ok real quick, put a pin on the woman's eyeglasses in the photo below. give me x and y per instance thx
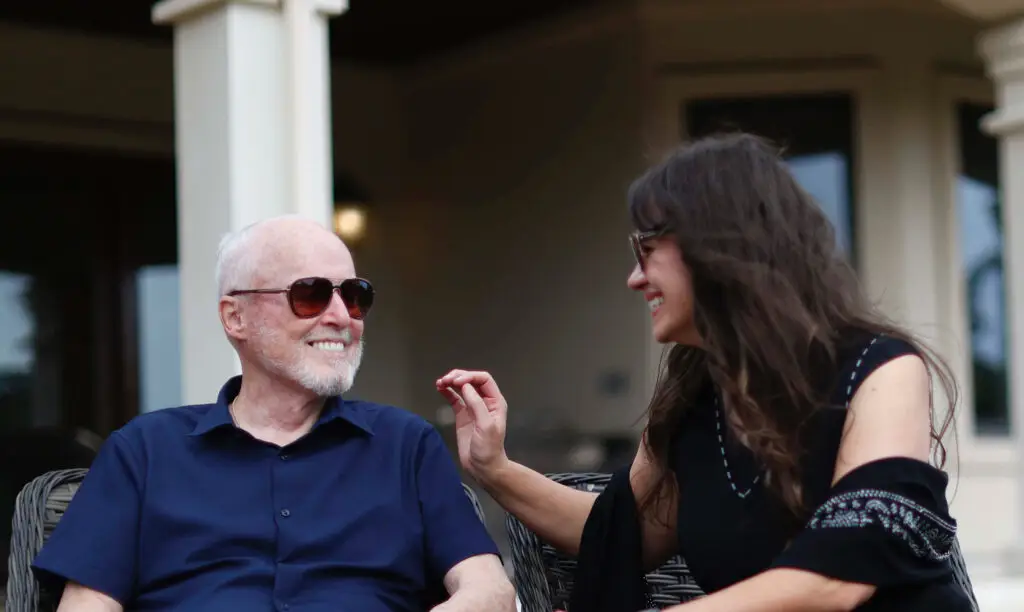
(637, 242)
(310, 297)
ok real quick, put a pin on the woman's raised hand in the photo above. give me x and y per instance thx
(480, 418)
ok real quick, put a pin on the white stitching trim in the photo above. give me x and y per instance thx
(856, 370)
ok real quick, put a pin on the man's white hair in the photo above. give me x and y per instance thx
(236, 259)
(239, 256)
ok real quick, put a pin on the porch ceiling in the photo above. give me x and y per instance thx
(371, 31)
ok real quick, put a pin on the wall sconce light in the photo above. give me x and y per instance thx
(350, 221)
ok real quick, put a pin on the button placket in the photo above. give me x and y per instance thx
(283, 455)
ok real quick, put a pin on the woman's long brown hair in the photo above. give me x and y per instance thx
(773, 297)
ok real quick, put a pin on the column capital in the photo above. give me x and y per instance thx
(177, 11)
(1002, 48)
(1003, 123)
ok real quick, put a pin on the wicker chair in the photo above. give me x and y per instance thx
(544, 576)
(39, 507)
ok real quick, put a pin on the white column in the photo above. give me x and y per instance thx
(1003, 50)
(252, 123)
(918, 263)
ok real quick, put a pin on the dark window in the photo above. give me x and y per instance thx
(74, 226)
(980, 219)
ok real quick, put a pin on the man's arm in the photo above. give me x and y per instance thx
(77, 598)
(478, 583)
(458, 548)
(91, 555)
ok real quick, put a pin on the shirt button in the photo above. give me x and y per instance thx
(284, 457)
(286, 513)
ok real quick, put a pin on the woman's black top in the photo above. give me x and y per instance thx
(885, 523)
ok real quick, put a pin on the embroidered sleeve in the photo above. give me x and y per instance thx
(886, 523)
(926, 534)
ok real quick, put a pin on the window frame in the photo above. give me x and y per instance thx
(954, 89)
(862, 82)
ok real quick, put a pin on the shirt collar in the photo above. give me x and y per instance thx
(335, 408)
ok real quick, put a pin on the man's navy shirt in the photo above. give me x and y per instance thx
(181, 510)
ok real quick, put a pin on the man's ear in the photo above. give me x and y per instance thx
(231, 318)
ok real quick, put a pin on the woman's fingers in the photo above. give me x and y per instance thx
(476, 404)
(482, 381)
(450, 396)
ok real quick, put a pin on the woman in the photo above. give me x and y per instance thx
(786, 453)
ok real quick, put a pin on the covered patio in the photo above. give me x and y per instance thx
(490, 147)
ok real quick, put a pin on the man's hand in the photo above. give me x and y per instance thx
(476, 584)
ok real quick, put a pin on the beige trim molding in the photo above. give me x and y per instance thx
(659, 10)
(986, 10)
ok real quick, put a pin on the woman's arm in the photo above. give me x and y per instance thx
(783, 590)
(889, 416)
(555, 512)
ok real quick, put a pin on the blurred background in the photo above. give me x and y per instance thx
(475, 156)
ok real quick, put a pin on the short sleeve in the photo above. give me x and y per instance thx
(872, 355)
(452, 529)
(95, 542)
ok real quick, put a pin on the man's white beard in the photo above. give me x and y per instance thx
(337, 382)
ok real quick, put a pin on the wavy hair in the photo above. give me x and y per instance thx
(774, 301)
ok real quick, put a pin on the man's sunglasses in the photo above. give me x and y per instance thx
(310, 297)
(636, 242)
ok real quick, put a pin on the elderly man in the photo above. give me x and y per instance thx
(281, 495)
